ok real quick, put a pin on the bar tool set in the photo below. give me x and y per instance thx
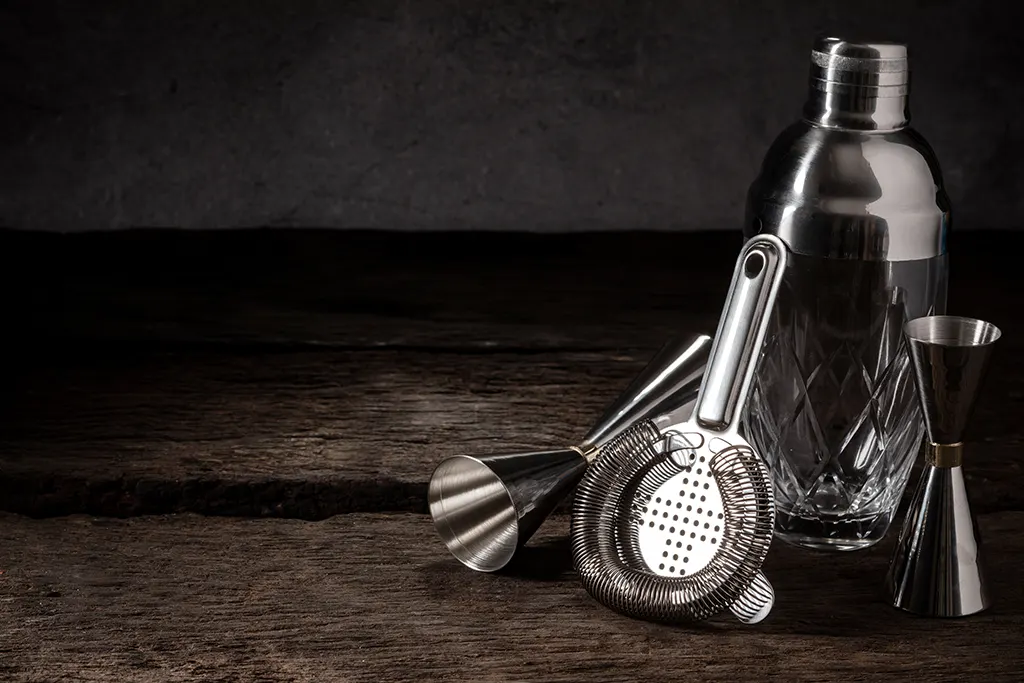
(801, 419)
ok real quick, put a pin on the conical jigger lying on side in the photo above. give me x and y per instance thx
(937, 568)
(486, 507)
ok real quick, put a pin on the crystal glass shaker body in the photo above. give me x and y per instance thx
(857, 196)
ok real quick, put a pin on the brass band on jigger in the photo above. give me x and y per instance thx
(588, 451)
(944, 455)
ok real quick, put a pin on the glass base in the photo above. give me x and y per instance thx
(831, 534)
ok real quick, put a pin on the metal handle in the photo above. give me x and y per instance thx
(741, 330)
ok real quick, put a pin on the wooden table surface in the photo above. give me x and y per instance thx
(214, 450)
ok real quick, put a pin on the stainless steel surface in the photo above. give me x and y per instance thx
(756, 602)
(486, 507)
(937, 567)
(858, 86)
(839, 185)
(851, 195)
(482, 506)
(674, 519)
(741, 331)
(668, 382)
(857, 196)
(677, 571)
(950, 356)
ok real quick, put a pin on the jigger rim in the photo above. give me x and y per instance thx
(952, 331)
(454, 540)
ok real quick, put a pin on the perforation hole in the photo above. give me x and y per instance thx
(679, 517)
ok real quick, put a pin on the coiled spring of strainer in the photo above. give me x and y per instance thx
(608, 506)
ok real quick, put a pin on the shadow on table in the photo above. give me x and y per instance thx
(549, 560)
(844, 594)
(817, 593)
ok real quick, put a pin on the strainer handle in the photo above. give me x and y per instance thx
(741, 330)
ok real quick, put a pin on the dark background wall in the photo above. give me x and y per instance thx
(437, 114)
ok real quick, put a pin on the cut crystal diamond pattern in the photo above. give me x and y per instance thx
(833, 408)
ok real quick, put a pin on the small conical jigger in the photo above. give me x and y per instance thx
(485, 507)
(937, 568)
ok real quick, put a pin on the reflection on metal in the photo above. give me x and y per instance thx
(937, 568)
(487, 507)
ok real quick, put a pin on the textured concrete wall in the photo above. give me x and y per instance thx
(441, 114)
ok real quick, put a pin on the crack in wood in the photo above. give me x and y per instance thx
(326, 373)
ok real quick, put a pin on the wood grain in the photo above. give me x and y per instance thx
(306, 373)
(295, 434)
(375, 597)
(362, 290)
(312, 434)
(461, 291)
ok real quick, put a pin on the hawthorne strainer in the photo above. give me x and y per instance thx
(673, 521)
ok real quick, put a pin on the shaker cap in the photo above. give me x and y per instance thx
(881, 65)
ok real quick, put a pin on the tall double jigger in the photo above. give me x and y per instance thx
(937, 568)
(486, 507)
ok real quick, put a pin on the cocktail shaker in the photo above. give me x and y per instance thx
(857, 196)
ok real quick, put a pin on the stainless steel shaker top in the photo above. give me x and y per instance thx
(852, 180)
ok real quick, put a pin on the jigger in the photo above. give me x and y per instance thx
(937, 568)
(486, 507)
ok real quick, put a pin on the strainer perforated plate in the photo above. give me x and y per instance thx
(639, 539)
(680, 524)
